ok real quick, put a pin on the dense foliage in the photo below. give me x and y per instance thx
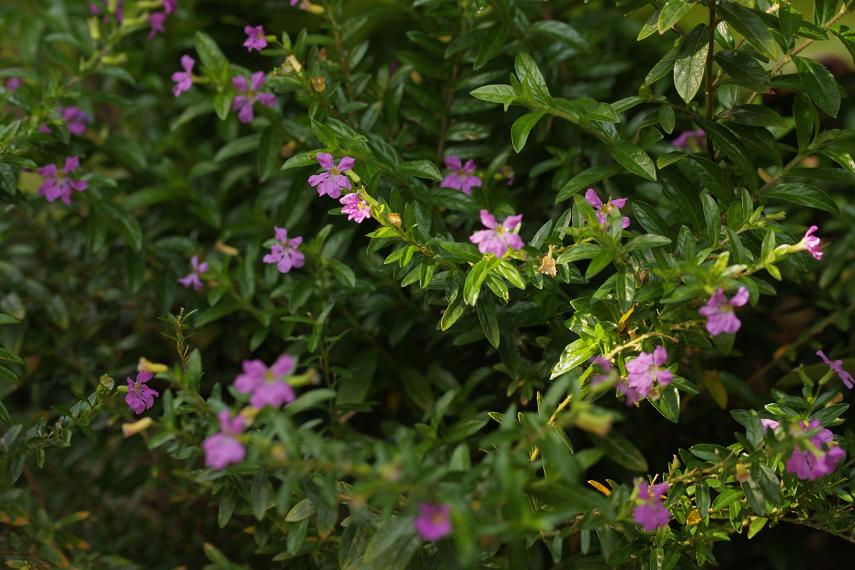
(424, 284)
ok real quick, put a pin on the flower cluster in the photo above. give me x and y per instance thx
(719, 311)
(814, 456)
(646, 373)
(284, 253)
(650, 513)
(498, 238)
(57, 184)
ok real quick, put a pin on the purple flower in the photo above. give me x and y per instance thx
(355, 207)
(769, 424)
(498, 238)
(140, 397)
(603, 209)
(332, 181)
(719, 311)
(294, 2)
(255, 38)
(268, 386)
(837, 367)
(155, 22)
(249, 95)
(194, 278)
(643, 372)
(433, 522)
(604, 365)
(284, 252)
(12, 84)
(461, 178)
(183, 79)
(223, 448)
(169, 6)
(687, 139)
(76, 119)
(57, 184)
(650, 512)
(819, 457)
(811, 243)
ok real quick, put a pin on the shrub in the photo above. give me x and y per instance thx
(433, 284)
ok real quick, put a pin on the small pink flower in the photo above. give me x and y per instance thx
(255, 38)
(433, 521)
(811, 243)
(719, 311)
(223, 448)
(817, 460)
(688, 139)
(605, 367)
(249, 94)
(75, 119)
(169, 6)
(268, 386)
(183, 79)
(643, 372)
(194, 278)
(498, 238)
(650, 512)
(331, 182)
(284, 252)
(155, 22)
(12, 84)
(58, 184)
(355, 207)
(603, 209)
(461, 178)
(837, 367)
(140, 397)
(769, 424)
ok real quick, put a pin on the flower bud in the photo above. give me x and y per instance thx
(547, 264)
(394, 219)
(136, 427)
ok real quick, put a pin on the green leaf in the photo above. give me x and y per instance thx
(8, 320)
(807, 120)
(744, 70)
(128, 227)
(750, 25)
(475, 278)
(310, 399)
(302, 510)
(667, 118)
(300, 160)
(451, 315)
(585, 179)
(819, 84)
(689, 65)
(669, 404)
(727, 143)
(420, 169)
(712, 217)
(671, 13)
(212, 56)
(646, 241)
(634, 159)
(258, 495)
(504, 94)
(804, 195)
(522, 127)
(558, 30)
(486, 310)
(622, 451)
(574, 354)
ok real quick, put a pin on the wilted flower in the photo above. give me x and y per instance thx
(332, 181)
(249, 94)
(818, 458)
(498, 238)
(284, 252)
(194, 278)
(140, 397)
(355, 207)
(461, 178)
(57, 184)
(837, 367)
(650, 512)
(255, 38)
(12, 84)
(643, 372)
(719, 311)
(547, 264)
(155, 22)
(603, 209)
(811, 243)
(268, 386)
(183, 79)
(687, 139)
(76, 119)
(223, 448)
(433, 521)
